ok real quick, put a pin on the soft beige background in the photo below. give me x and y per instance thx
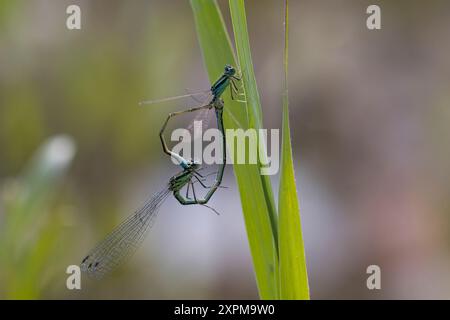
(370, 129)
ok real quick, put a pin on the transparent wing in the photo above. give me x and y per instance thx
(124, 240)
(203, 115)
(192, 95)
(200, 98)
(206, 115)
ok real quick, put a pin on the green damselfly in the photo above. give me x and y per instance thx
(227, 79)
(124, 240)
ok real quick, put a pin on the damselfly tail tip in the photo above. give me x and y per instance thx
(83, 265)
(91, 268)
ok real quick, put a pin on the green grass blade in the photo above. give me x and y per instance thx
(293, 274)
(217, 51)
(239, 20)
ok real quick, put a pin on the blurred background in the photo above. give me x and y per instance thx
(370, 129)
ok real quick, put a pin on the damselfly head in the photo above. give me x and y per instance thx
(193, 164)
(229, 70)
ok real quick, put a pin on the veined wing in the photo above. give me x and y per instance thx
(192, 95)
(204, 117)
(124, 240)
(204, 114)
(200, 98)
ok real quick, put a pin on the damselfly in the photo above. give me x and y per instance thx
(228, 78)
(213, 95)
(125, 239)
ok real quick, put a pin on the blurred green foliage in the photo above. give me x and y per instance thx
(33, 223)
(86, 84)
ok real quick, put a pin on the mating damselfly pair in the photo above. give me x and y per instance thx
(122, 242)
